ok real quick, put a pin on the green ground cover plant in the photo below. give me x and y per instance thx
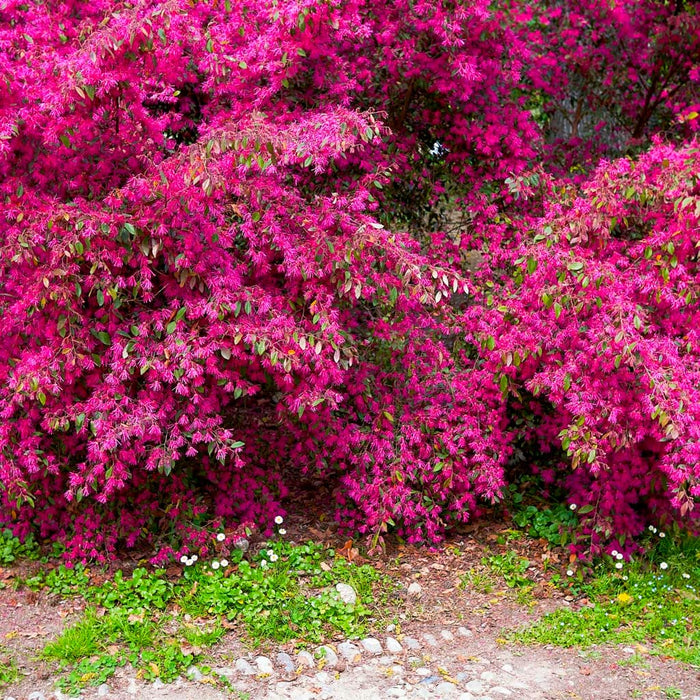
(652, 601)
(284, 592)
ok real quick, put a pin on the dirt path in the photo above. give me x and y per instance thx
(442, 639)
(450, 658)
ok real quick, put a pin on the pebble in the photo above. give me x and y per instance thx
(349, 651)
(464, 632)
(488, 676)
(304, 658)
(396, 692)
(430, 639)
(501, 690)
(194, 674)
(415, 589)
(347, 593)
(445, 688)
(372, 646)
(475, 687)
(411, 643)
(103, 690)
(326, 653)
(423, 671)
(264, 665)
(508, 668)
(447, 635)
(244, 667)
(430, 680)
(36, 695)
(466, 696)
(285, 661)
(323, 677)
(393, 646)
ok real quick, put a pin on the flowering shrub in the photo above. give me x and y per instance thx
(206, 287)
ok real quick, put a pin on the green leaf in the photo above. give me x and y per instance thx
(170, 328)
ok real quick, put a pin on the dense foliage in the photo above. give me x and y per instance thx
(243, 241)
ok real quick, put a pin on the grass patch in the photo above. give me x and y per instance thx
(9, 673)
(654, 601)
(284, 593)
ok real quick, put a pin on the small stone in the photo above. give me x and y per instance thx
(244, 667)
(466, 696)
(444, 689)
(304, 658)
(285, 661)
(396, 692)
(500, 690)
(430, 680)
(347, 593)
(411, 643)
(156, 685)
(464, 632)
(476, 687)
(131, 687)
(241, 543)
(423, 671)
(393, 646)
(103, 690)
(447, 635)
(488, 676)
(391, 628)
(508, 668)
(372, 646)
(349, 651)
(430, 639)
(264, 665)
(415, 589)
(194, 674)
(328, 655)
(323, 678)
(36, 695)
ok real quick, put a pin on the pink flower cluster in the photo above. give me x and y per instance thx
(238, 244)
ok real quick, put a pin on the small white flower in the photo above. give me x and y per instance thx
(662, 534)
(279, 520)
(619, 556)
(220, 537)
(270, 552)
(183, 559)
(624, 578)
(653, 529)
(573, 506)
(194, 558)
(273, 557)
(224, 563)
(263, 564)
(613, 553)
(618, 565)
(189, 562)
(569, 572)
(282, 531)
(215, 565)
(663, 565)
(685, 575)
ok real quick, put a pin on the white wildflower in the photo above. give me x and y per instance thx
(215, 565)
(220, 537)
(279, 520)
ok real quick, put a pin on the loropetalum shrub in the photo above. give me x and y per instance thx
(600, 323)
(196, 289)
(205, 289)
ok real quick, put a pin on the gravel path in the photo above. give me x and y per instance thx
(447, 663)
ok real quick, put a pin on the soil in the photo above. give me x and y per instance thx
(29, 620)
